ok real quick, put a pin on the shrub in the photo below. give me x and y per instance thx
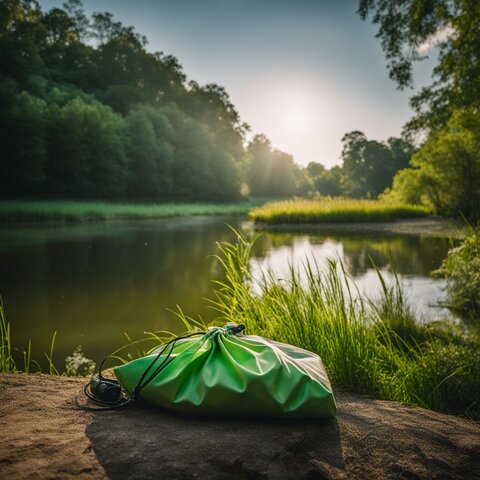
(461, 268)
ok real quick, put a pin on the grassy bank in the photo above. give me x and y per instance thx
(83, 211)
(375, 347)
(333, 210)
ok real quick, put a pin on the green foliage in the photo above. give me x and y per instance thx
(7, 363)
(371, 346)
(86, 151)
(150, 152)
(446, 169)
(462, 271)
(334, 210)
(22, 134)
(368, 168)
(88, 112)
(271, 172)
(407, 29)
(316, 179)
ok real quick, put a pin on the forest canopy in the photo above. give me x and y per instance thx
(87, 111)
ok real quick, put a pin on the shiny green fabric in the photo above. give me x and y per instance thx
(223, 374)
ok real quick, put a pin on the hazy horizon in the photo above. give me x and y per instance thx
(303, 74)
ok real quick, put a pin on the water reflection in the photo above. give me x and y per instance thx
(91, 283)
(95, 281)
(412, 258)
(406, 254)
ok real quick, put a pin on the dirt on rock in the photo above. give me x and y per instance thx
(45, 435)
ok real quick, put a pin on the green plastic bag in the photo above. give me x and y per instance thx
(223, 373)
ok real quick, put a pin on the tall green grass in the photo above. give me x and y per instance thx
(334, 210)
(7, 363)
(81, 211)
(369, 346)
(7, 360)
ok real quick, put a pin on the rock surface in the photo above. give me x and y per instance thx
(45, 435)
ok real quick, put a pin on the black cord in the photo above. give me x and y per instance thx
(106, 405)
(171, 343)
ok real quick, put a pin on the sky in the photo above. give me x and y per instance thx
(302, 72)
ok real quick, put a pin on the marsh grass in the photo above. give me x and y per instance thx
(7, 363)
(371, 346)
(335, 210)
(7, 360)
(84, 211)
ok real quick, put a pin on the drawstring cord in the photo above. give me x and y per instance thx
(123, 402)
(162, 365)
(143, 382)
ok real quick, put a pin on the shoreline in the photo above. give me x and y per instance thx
(428, 226)
(48, 435)
(74, 212)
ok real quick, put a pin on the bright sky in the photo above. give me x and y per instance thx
(302, 72)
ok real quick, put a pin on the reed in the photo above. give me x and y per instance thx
(335, 210)
(370, 346)
(7, 363)
(7, 360)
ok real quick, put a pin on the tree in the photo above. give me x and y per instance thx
(150, 153)
(446, 169)
(271, 171)
(407, 31)
(107, 118)
(86, 151)
(315, 178)
(24, 155)
(369, 166)
(21, 37)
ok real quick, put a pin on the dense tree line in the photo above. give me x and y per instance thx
(87, 111)
(368, 168)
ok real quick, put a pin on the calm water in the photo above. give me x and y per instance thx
(95, 281)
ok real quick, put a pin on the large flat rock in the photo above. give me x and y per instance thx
(45, 435)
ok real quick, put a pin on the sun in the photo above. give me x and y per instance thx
(296, 120)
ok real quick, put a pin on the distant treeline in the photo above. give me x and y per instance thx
(88, 112)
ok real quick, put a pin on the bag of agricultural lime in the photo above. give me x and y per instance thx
(222, 372)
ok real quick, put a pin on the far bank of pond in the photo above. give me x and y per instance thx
(71, 211)
(93, 281)
(333, 209)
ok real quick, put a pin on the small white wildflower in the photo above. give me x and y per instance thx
(77, 365)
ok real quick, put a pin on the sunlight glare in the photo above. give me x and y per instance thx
(296, 120)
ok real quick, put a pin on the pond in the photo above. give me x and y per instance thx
(92, 282)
